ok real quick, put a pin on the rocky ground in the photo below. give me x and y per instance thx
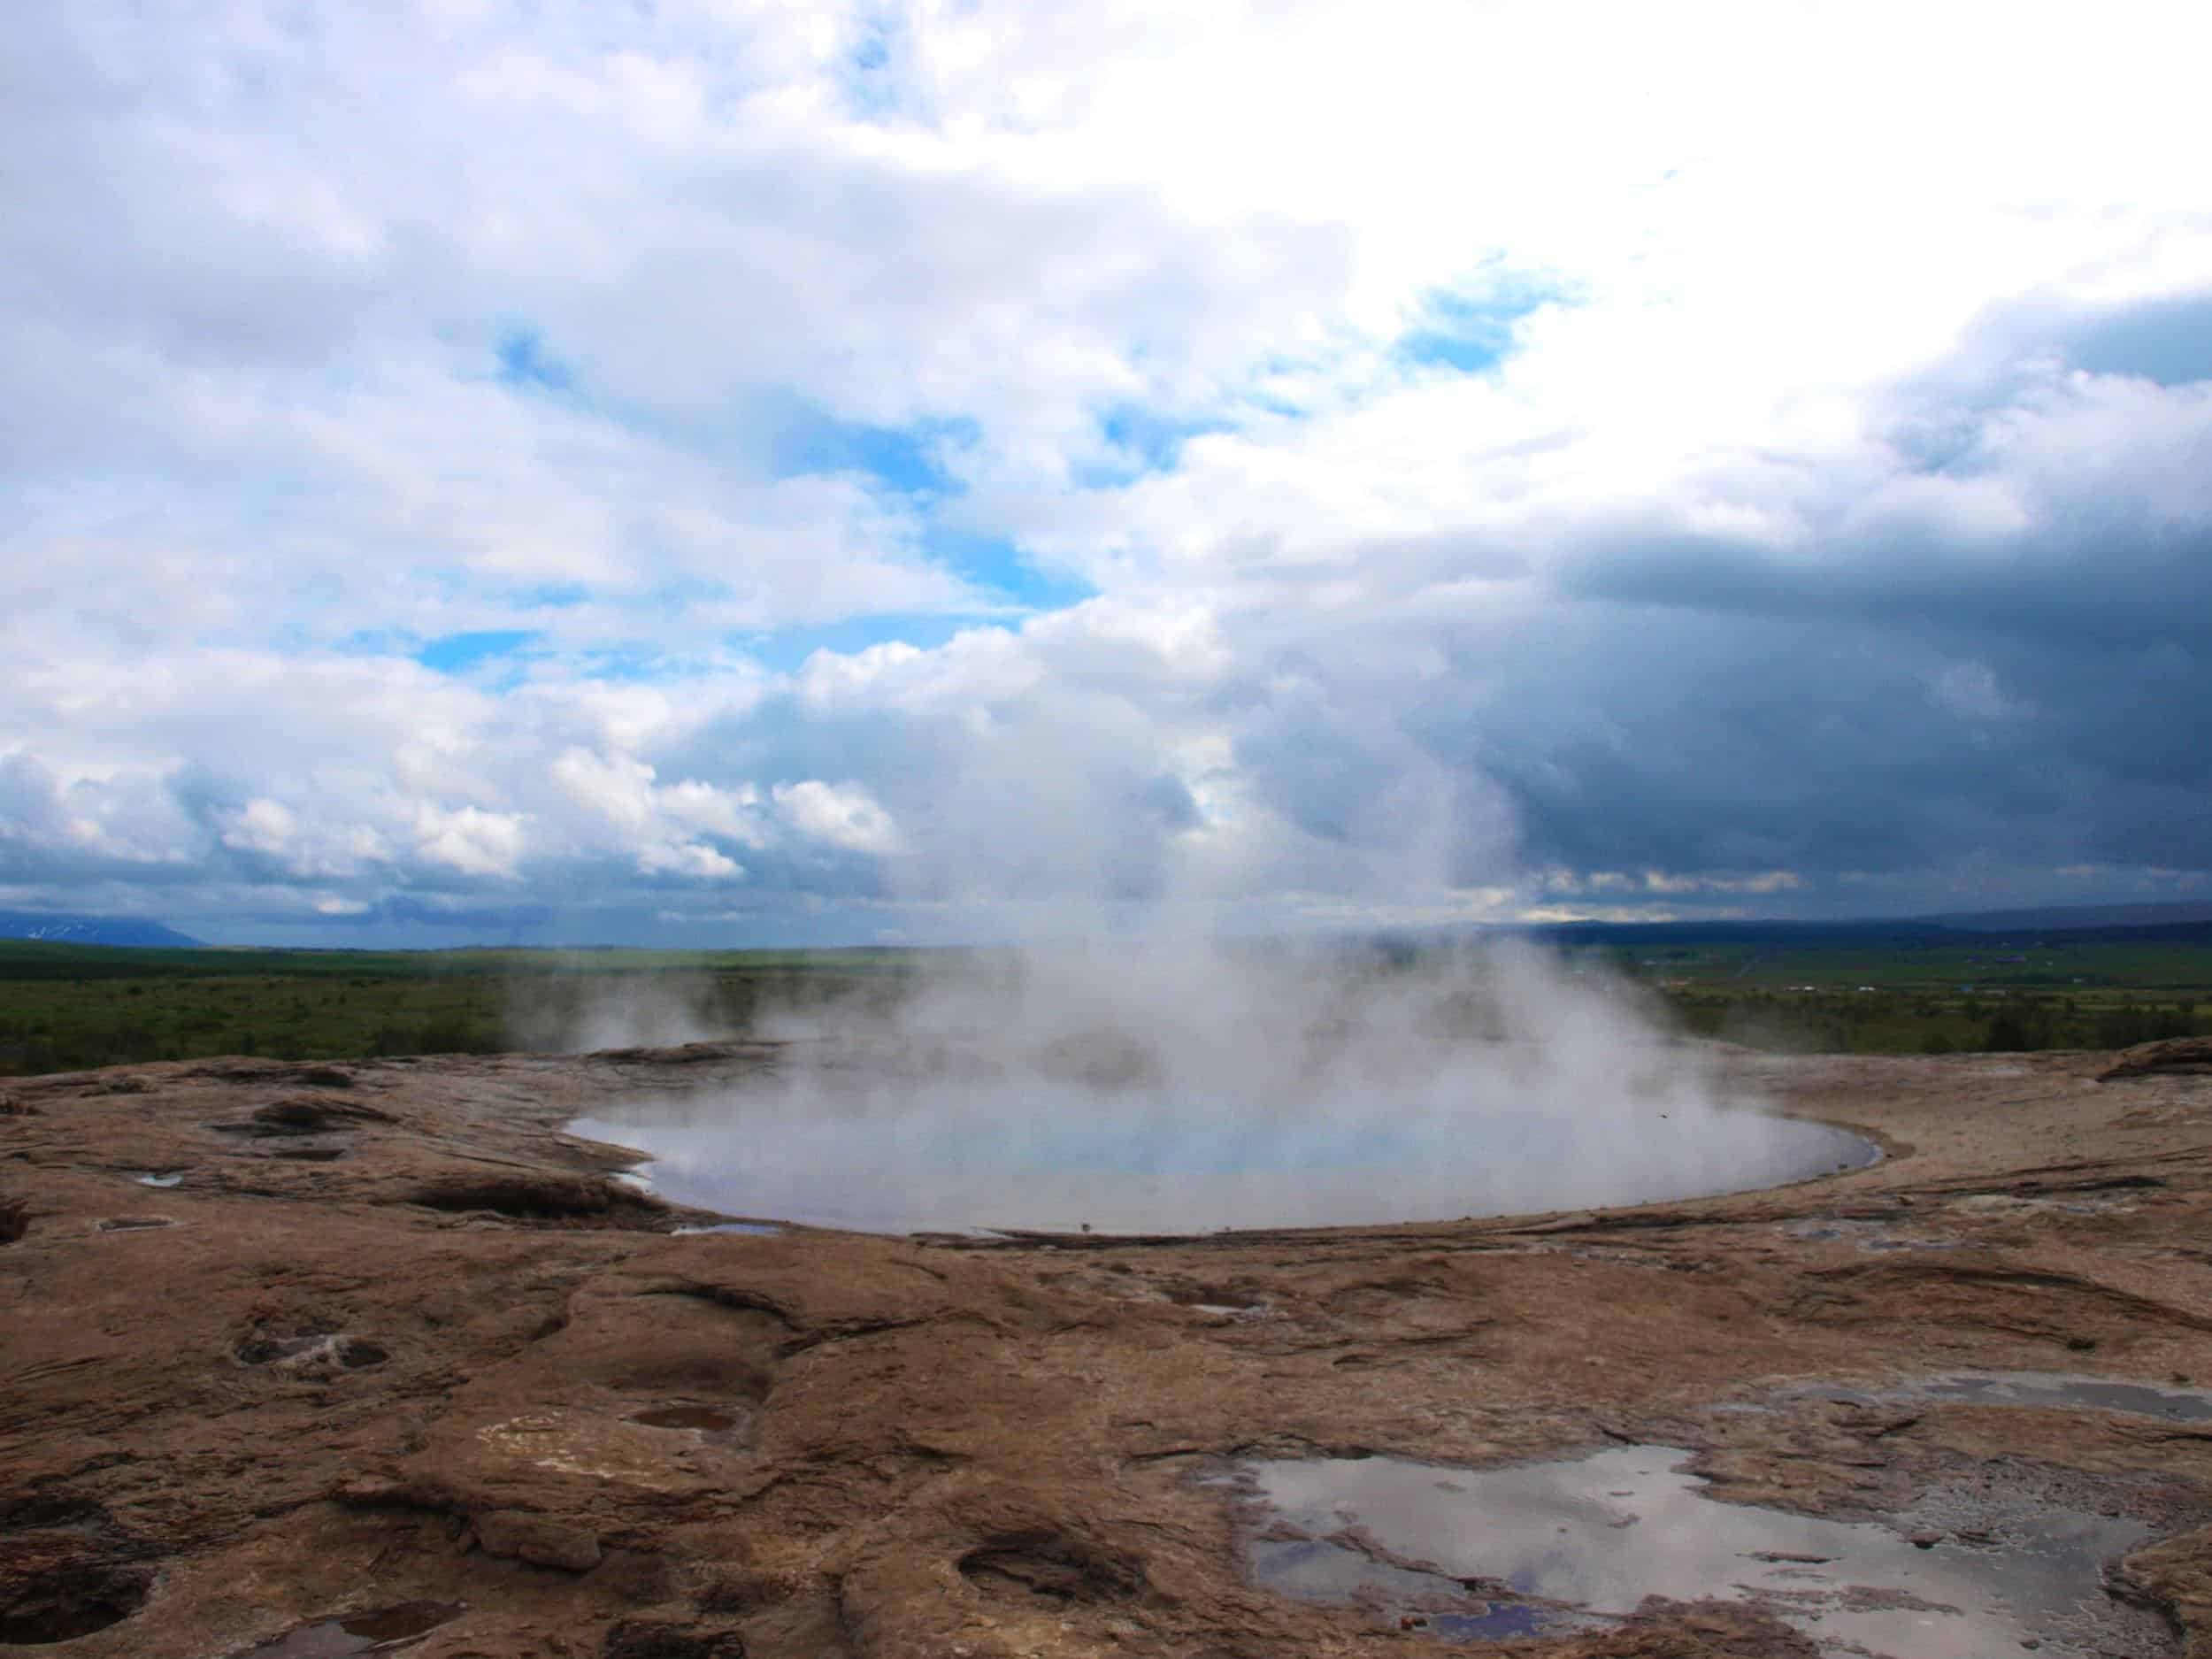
(393, 1360)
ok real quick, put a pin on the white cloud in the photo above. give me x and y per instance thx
(470, 839)
(690, 858)
(842, 815)
(1843, 420)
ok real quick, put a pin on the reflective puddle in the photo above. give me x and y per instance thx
(359, 1632)
(2043, 1388)
(1543, 1548)
(741, 1229)
(1866, 1235)
(706, 1419)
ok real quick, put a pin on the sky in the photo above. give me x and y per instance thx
(756, 473)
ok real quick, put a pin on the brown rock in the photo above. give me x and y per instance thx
(539, 1539)
(2184, 1055)
(995, 1444)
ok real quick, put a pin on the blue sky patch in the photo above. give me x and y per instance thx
(523, 362)
(1145, 442)
(994, 562)
(868, 76)
(786, 650)
(458, 653)
(552, 595)
(1469, 333)
(909, 459)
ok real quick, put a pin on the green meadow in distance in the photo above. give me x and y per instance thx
(1802, 987)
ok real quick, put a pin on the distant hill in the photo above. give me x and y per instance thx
(88, 930)
(2146, 924)
(2072, 918)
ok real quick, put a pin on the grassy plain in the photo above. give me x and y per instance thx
(1934, 991)
(70, 1007)
(1832, 990)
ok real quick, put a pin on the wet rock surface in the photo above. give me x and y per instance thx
(463, 1369)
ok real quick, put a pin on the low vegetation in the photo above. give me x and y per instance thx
(1934, 991)
(72, 1007)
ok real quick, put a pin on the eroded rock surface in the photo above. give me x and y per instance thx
(459, 1367)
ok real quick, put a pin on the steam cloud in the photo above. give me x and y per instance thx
(1149, 1088)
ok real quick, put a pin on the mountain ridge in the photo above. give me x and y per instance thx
(63, 928)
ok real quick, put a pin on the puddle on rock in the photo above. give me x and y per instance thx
(316, 1351)
(307, 1154)
(745, 1229)
(1542, 1548)
(2027, 1388)
(2039, 1388)
(378, 1631)
(158, 1178)
(1867, 1235)
(708, 1418)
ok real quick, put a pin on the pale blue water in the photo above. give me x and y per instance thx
(947, 1162)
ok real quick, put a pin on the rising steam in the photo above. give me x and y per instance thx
(1143, 1089)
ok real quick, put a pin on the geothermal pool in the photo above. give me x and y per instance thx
(951, 1159)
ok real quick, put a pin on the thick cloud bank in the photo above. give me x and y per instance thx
(739, 474)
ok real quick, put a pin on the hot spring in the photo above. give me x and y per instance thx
(1149, 1094)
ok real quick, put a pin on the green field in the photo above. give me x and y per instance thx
(1832, 990)
(71, 1007)
(1906, 994)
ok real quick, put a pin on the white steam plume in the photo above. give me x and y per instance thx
(1156, 1088)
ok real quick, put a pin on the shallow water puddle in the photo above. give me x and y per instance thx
(2051, 1389)
(312, 1351)
(2030, 1388)
(1542, 1548)
(378, 1631)
(702, 1418)
(157, 1177)
(742, 1229)
(1865, 1234)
